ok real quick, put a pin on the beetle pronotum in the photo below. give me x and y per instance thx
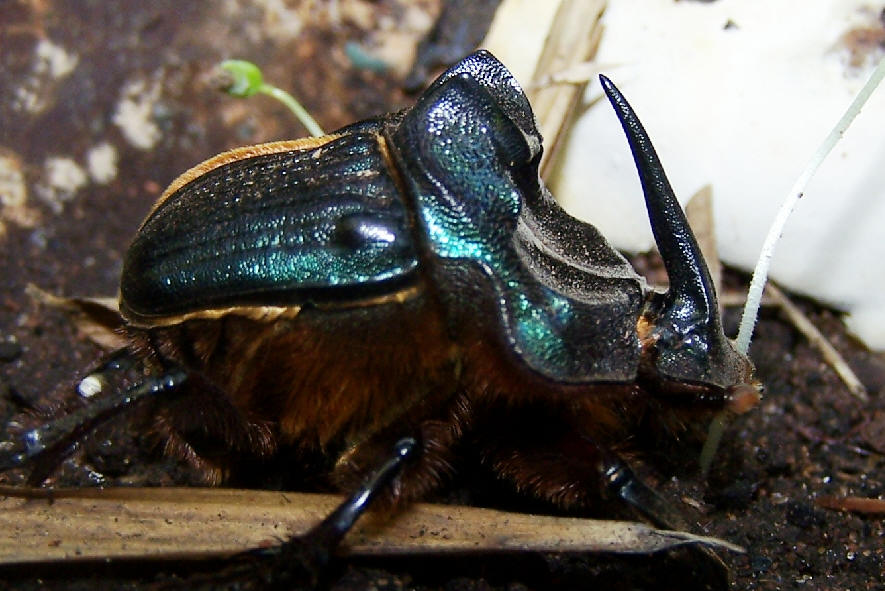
(404, 288)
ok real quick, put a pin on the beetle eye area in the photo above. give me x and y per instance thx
(743, 397)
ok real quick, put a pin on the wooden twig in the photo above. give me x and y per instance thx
(699, 211)
(855, 504)
(573, 39)
(819, 342)
(773, 296)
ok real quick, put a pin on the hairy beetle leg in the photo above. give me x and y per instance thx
(44, 447)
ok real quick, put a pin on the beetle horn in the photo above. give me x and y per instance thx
(692, 298)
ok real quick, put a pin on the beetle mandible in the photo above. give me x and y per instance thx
(407, 283)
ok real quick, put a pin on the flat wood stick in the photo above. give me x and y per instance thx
(76, 524)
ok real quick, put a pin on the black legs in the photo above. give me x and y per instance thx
(44, 447)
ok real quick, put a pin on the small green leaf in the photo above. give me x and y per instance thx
(246, 78)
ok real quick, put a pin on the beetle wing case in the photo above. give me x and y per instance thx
(273, 225)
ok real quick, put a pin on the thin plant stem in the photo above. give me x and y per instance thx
(760, 274)
(300, 112)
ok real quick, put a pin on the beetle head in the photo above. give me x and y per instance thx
(681, 331)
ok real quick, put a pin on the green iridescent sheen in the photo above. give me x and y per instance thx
(274, 229)
(472, 171)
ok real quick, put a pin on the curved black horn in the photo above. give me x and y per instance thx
(692, 297)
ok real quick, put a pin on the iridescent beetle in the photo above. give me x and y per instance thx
(403, 289)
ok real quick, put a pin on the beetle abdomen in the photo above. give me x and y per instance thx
(270, 227)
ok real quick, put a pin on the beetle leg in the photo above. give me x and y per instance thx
(45, 446)
(329, 532)
(620, 481)
(552, 453)
(302, 560)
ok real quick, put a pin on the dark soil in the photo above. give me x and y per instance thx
(809, 438)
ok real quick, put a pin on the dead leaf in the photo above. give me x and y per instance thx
(97, 318)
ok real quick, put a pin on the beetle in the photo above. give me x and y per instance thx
(400, 290)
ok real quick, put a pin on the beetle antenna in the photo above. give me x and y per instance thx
(692, 297)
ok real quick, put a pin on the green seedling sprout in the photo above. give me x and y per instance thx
(247, 80)
(760, 273)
